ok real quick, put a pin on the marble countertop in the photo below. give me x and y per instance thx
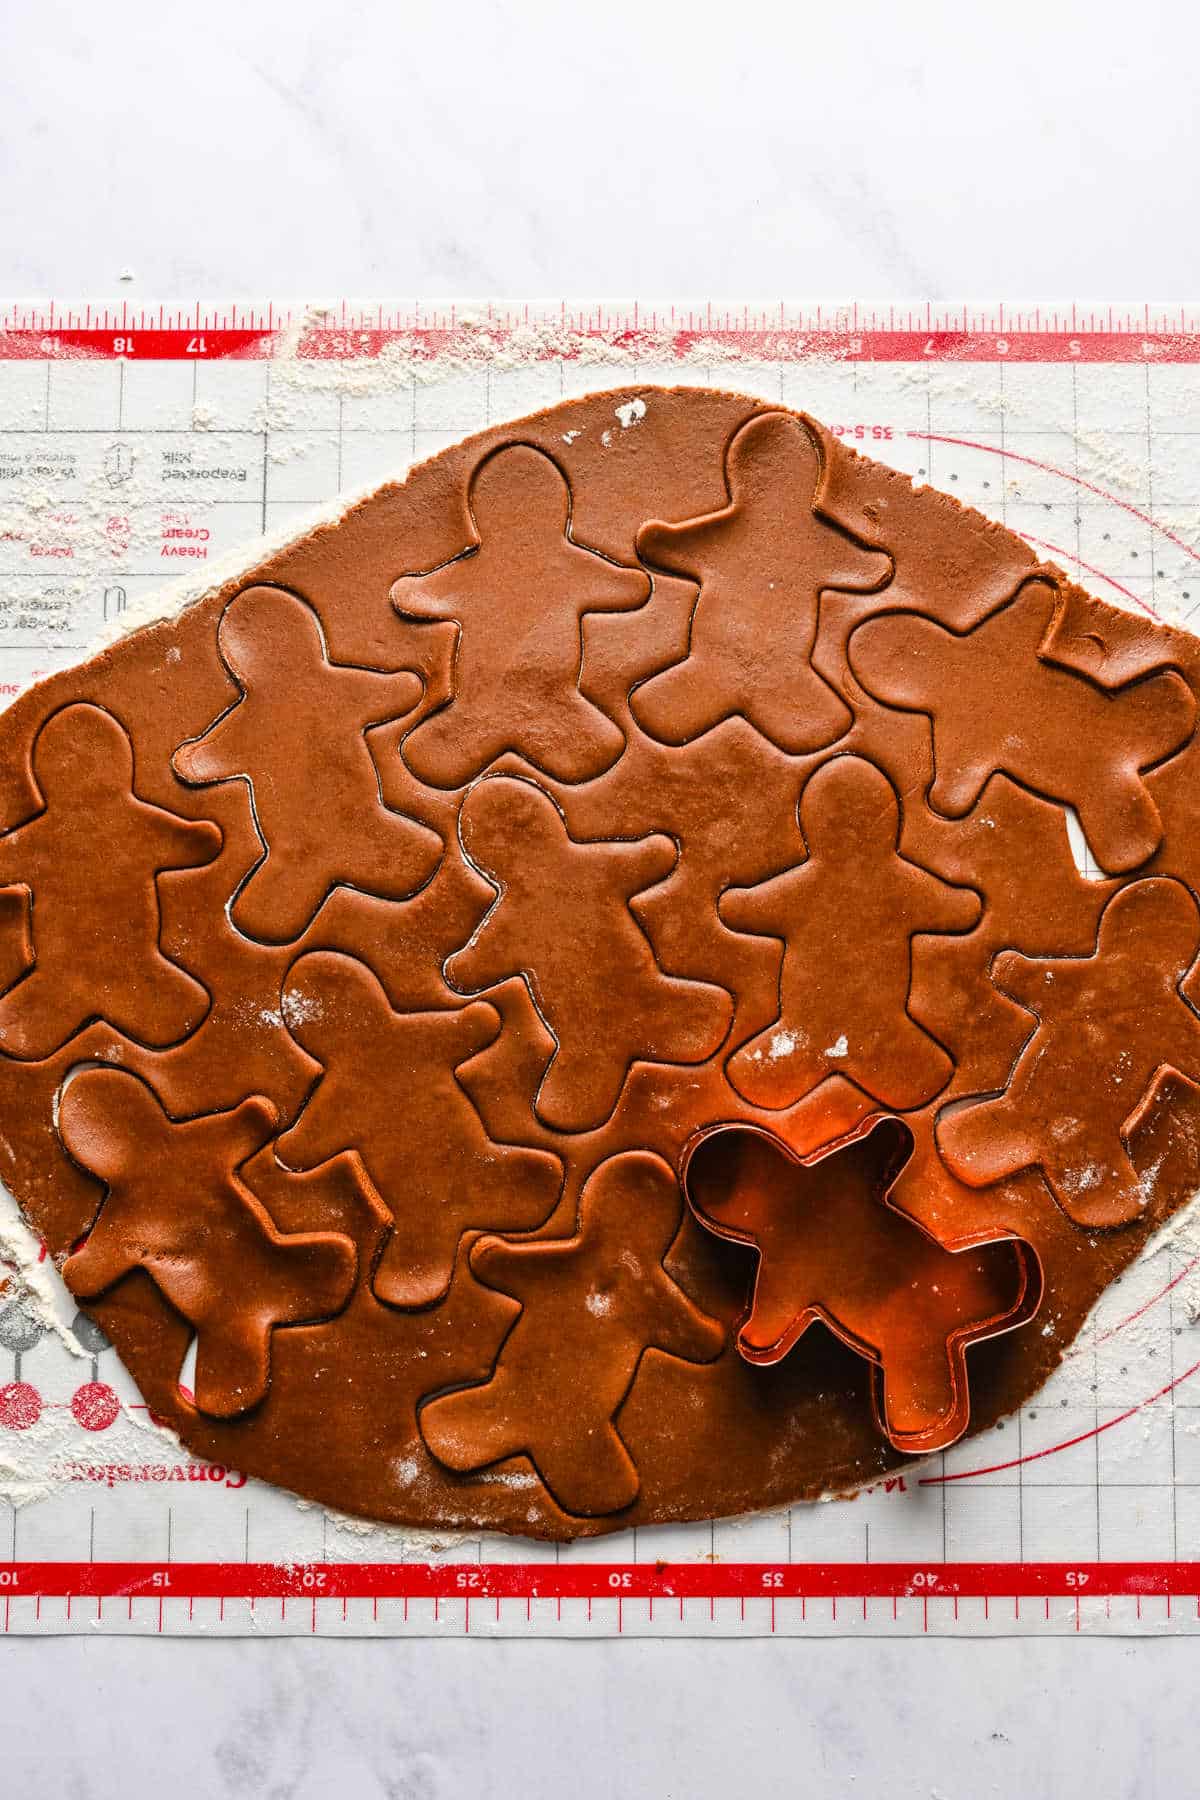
(668, 1721)
(646, 149)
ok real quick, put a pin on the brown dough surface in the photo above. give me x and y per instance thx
(445, 886)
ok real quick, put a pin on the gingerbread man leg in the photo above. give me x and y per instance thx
(564, 1103)
(603, 1482)
(791, 705)
(777, 1068)
(291, 1279)
(417, 1264)
(474, 1427)
(103, 1258)
(392, 855)
(232, 1364)
(478, 1426)
(279, 899)
(773, 1316)
(452, 746)
(37, 1016)
(676, 706)
(1097, 1189)
(581, 736)
(158, 1003)
(692, 1018)
(921, 1403)
(1120, 820)
(904, 1070)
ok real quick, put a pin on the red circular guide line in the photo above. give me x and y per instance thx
(1145, 1306)
(1034, 462)
(1057, 550)
(1081, 1437)
(590, 1581)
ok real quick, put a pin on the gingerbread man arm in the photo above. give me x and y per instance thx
(466, 1031)
(319, 1133)
(1035, 983)
(646, 862)
(182, 843)
(245, 1130)
(681, 548)
(485, 961)
(680, 1327)
(504, 1266)
(229, 748)
(1119, 819)
(378, 696)
(617, 588)
(938, 905)
(759, 910)
(1180, 1041)
(960, 771)
(435, 597)
(20, 853)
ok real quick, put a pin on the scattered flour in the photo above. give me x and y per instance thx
(297, 1009)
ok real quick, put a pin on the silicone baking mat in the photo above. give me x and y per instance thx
(144, 445)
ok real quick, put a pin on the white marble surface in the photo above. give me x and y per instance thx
(634, 147)
(444, 1721)
(927, 150)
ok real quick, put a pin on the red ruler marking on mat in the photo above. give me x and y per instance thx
(433, 1581)
(196, 333)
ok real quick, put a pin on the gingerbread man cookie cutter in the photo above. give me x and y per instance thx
(831, 1249)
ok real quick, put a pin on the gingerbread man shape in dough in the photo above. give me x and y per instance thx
(91, 860)
(177, 1208)
(590, 1307)
(432, 1164)
(1107, 1025)
(830, 1248)
(847, 916)
(996, 702)
(518, 596)
(563, 920)
(761, 562)
(299, 737)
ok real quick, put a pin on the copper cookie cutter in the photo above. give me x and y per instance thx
(830, 1247)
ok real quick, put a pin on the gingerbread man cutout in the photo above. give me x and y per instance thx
(389, 1092)
(563, 920)
(177, 1208)
(96, 917)
(1048, 726)
(847, 916)
(830, 1248)
(1107, 1025)
(761, 562)
(518, 596)
(299, 737)
(591, 1306)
